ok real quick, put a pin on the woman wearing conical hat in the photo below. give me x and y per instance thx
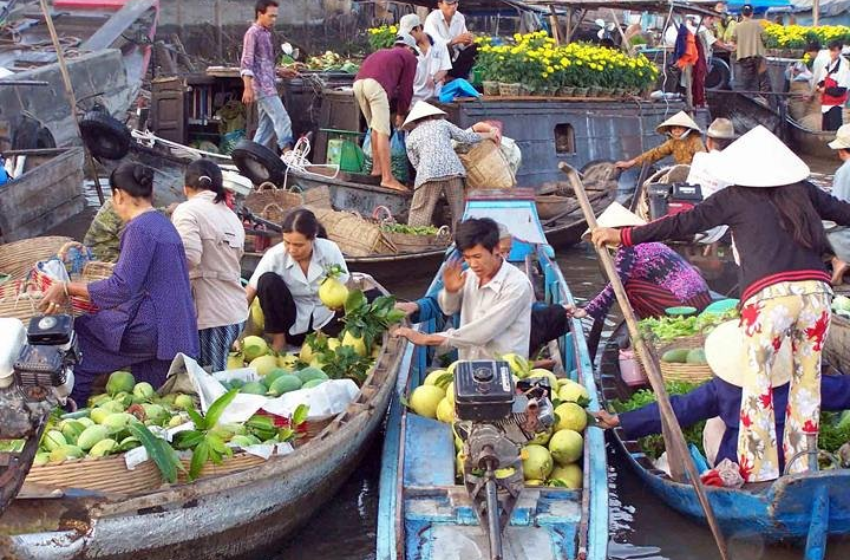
(776, 220)
(654, 275)
(684, 141)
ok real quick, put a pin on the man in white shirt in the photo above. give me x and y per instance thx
(494, 298)
(448, 26)
(434, 60)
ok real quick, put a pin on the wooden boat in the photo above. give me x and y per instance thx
(112, 39)
(424, 514)
(49, 192)
(223, 516)
(808, 506)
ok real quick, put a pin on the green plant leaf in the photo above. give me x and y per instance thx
(356, 299)
(286, 435)
(158, 450)
(199, 458)
(197, 419)
(300, 415)
(217, 408)
(188, 439)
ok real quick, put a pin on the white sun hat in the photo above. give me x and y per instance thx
(679, 119)
(759, 159)
(724, 352)
(421, 110)
(617, 216)
(842, 138)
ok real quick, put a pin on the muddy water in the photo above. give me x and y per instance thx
(641, 527)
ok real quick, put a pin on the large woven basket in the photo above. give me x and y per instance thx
(487, 167)
(356, 236)
(18, 258)
(409, 242)
(836, 349)
(19, 300)
(689, 373)
(103, 474)
(273, 203)
(92, 271)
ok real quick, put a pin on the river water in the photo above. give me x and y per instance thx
(641, 527)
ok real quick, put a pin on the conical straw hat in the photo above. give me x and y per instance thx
(420, 111)
(759, 159)
(617, 216)
(679, 119)
(725, 354)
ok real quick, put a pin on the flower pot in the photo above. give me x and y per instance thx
(510, 90)
(566, 91)
(620, 92)
(581, 91)
(594, 91)
(490, 88)
(525, 90)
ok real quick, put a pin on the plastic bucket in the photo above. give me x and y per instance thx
(630, 370)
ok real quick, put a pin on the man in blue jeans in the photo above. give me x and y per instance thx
(258, 71)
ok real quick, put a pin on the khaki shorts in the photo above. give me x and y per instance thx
(374, 105)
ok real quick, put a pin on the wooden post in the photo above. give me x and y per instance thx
(569, 30)
(815, 12)
(179, 17)
(69, 93)
(218, 34)
(553, 21)
(678, 456)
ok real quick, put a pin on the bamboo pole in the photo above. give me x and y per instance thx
(69, 93)
(677, 452)
(555, 23)
(815, 12)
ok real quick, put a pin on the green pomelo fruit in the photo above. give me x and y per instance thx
(284, 384)
(103, 447)
(144, 391)
(445, 411)
(570, 475)
(66, 452)
(53, 440)
(117, 422)
(439, 377)
(120, 381)
(184, 402)
(570, 417)
(566, 446)
(72, 430)
(573, 392)
(264, 365)
(536, 462)
(425, 399)
(274, 374)
(91, 436)
(253, 347)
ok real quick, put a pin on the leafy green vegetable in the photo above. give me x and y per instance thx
(159, 450)
(669, 328)
(410, 230)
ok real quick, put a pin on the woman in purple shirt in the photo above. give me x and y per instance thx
(145, 312)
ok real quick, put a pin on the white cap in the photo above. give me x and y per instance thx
(726, 356)
(408, 22)
(842, 138)
(759, 159)
(421, 110)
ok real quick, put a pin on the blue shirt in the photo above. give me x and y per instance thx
(719, 398)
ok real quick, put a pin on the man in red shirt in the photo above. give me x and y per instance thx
(386, 75)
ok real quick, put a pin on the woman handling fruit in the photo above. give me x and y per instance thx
(145, 315)
(213, 238)
(288, 280)
(775, 218)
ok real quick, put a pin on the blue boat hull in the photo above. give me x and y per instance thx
(424, 515)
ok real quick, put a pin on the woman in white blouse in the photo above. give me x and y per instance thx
(287, 282)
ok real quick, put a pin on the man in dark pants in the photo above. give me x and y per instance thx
(447, 25)
(748, 37)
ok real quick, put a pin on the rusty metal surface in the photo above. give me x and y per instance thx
(221, 517)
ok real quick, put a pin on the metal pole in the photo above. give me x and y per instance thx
(69, 93)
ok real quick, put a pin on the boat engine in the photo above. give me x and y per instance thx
(495, 419)
(36, 376)
(666, 199)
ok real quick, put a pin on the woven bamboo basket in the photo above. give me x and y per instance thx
(689, 373)
(92, 271)
(103, 474)
(409, 242)
(19, 300)
(18, 258)
(836, 350)
(238, 462)
(355, 235)
(487, 167)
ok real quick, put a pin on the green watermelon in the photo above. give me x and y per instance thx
(284, 384)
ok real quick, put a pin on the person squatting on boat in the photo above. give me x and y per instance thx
(684, 141)
(145, 314)
(258, 70)
(839, 237)
(719, 400)
(654, 275)
(832, 81)
(448, 26)
(386, 75)
(434, 60)
(287, 281)
(213, 239)
(438, 168)
(776, 221)
(548, 322)
(493, 297)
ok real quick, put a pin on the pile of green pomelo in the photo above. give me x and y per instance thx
(553, 458)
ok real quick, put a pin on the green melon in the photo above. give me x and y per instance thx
(253, 388)
(311, 373)
(313, 383)
(284, 384)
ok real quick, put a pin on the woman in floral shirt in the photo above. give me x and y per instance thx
(438, 169)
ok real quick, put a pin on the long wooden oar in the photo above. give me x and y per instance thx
(674, 441)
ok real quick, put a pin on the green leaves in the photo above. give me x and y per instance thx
(356, 299)
(217, 408)
(300, 415)
(205, 445)
(159, 450)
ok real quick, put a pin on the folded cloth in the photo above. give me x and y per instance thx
(727, 474)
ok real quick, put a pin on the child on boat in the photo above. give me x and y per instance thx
(775, 219)
(684, 141)
(438, 168)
